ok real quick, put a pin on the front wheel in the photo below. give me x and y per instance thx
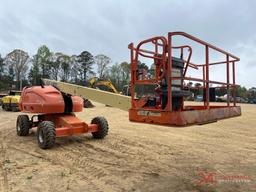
(102, 127)
(22, 125)
(46, 134)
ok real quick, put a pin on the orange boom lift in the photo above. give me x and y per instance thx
(159, 98)
(55, 117)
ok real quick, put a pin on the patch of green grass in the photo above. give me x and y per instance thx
(6, 161)
(63, 174)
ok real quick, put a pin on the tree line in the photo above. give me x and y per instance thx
(18, 69)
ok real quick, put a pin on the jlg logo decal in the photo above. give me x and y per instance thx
(149, 113)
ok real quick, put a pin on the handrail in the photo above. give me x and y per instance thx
(200, 80)
(203, 43)
(189, 56)
(165, 54)
(230, 59)
(164, 41)
(216, 63)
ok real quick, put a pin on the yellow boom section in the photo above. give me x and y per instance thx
(112, 99)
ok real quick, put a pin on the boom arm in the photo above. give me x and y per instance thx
(112, 99)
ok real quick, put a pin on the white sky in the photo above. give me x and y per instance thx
(108, 26)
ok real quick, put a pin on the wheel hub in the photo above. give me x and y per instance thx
(40, 137)
(18, 127)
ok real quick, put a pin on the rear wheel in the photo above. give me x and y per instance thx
(5, 107)
(15, 109)
(46, 134)
(102, 127)
(22, 125)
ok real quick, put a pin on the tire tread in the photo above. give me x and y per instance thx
(24, 124)
(103, 127)
(49, 132)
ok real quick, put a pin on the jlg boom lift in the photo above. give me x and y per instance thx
(54, 116)
(159, 98)
(156, 98)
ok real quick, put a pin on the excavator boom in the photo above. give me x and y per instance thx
(95, 82)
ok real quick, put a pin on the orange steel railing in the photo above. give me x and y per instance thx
(230, 58)
(167, 49)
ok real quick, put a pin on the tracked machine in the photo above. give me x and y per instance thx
(102, 84)
(54, 116)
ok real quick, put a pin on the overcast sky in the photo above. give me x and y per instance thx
(108, 26)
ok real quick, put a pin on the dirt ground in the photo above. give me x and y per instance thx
(133, 157)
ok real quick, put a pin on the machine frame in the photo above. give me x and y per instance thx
(54, 116)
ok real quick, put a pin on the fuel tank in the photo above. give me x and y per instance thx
(47, 99)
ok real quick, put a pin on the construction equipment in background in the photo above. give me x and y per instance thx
(1, 96)
(107, 85)
(11, 101)
(102, 84)
(160, 99)
(56, 116)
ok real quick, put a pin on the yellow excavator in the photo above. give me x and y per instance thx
(102, 84)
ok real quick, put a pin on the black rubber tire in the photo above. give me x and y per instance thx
(102, 127)
(46, 134)
(22, 125)
(15, 109)
(5, 107)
